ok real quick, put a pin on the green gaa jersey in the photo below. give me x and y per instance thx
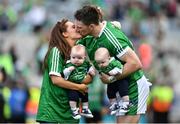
(54, 103)
(117, 43)
(114, 40)
(79, 73)
(112, 64)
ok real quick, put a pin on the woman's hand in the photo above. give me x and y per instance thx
(83, 88)
(87, 80)
(61, 82)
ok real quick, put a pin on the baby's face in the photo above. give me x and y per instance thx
(77, 58)
(102, 61)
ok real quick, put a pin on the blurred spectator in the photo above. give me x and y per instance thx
(155, 6)
(162, 23)
(42, 49)
(171, 8)
(37, 16)
(2, 100)
(159, 47)
(7, 63)
(3, 75)
(136, 11)
(13, 54)
(32, 104)
(17, 101)
(161, 98)
(135, 34)
(8, 16)
(118, 10)
(145, 54)
(178, 13)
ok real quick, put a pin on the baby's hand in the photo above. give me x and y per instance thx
(116, 24)
(92, 71)
(115, 71)
(71, 68)
(67, 71)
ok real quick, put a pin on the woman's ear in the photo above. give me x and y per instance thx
(65, 34)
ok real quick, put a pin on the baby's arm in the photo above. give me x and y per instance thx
(67, 71)
(115, 71)
(92, 71)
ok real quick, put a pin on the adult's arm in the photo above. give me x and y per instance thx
(87, 80)
(89, 77)
(61, 82)
(132, 63)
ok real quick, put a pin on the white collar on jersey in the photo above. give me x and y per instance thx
(104, 25)
(112, 58)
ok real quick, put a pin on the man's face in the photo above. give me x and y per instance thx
(83, 29)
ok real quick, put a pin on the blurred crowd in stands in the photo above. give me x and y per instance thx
(152, 25)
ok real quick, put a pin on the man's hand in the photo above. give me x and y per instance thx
(115, 71)
(106, 79)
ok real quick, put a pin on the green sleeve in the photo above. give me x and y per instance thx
(55, 62)
(119, 42)
(117, 63)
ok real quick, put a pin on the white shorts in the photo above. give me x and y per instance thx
(140, 106)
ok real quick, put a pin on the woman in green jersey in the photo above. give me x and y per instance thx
(54, 104)
(103, 34)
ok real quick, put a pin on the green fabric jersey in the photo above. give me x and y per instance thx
(112, 64)
(79, 73)
(54, 103)
(117, 43)
(114, 40)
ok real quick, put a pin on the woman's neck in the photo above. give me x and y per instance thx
(71, 42)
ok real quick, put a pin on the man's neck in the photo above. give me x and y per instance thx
(97, 30)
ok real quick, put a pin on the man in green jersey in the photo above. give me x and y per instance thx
(103, 34)
(54, 103)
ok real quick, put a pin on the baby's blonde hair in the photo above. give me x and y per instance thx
(102, 51)
(78, 48)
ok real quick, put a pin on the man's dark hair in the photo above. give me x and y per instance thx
(88, 15)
